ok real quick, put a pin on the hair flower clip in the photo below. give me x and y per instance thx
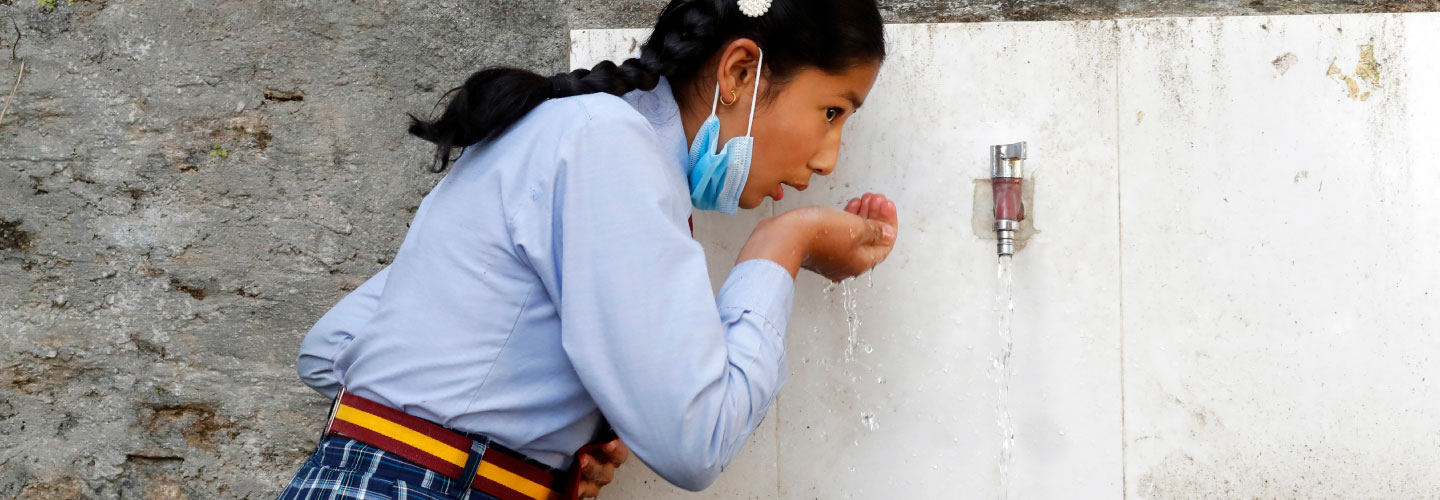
(754, 8)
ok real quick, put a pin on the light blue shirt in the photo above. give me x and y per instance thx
(551, 277)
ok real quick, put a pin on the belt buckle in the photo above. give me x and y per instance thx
(334, 408)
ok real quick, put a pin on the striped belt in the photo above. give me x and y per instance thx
(494, 469)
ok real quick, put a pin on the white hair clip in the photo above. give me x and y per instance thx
(754, 8)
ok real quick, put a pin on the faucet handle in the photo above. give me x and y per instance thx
(1005, 159)
(1015, 151)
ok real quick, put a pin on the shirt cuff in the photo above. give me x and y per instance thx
(763, 288)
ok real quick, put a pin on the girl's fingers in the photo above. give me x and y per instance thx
(854, 206)
(596, 468)
(588, 467)
(600, 475)
(889, 213)
(883, 209)
(616, 452)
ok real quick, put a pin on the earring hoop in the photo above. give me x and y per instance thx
(733, 97)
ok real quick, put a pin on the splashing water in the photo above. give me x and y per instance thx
(852, 317)
(1005, 304)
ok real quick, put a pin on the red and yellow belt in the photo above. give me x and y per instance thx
(497, 471)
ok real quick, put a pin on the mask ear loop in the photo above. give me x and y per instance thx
(750, 122)
(758, 67)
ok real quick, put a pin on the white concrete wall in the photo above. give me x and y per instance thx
(1233, 290)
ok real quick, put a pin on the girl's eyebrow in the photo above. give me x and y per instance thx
(854, 101)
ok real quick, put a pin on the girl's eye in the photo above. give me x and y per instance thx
(832, 113)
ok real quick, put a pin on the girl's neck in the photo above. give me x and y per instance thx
(692, 115)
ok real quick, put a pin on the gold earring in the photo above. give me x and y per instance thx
(733, 97)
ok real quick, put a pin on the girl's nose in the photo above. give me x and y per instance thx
(823, 162)
(822, 166)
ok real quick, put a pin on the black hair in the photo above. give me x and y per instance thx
(829, 35)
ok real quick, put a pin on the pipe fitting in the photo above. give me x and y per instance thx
(1006, 182)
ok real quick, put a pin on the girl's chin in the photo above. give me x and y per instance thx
(748, 202)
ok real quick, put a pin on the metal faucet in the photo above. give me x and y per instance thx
(1006, 172)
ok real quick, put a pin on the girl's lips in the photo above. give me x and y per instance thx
(779, 193)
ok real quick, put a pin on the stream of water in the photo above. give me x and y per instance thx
(1005, 305)
(852, 317)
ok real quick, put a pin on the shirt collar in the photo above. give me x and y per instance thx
(658, 105)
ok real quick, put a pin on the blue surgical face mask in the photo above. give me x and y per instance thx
(718, 178)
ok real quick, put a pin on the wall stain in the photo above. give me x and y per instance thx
(197, 423)
(42, 375)
(1368, 70)
(1366, 78)
(12, 237)
(1284, 62)
(198, 293)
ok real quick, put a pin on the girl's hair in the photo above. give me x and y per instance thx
(830, 35)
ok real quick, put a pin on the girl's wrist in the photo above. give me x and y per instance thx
(783, 239)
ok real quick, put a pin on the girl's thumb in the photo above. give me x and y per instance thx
(881, 231)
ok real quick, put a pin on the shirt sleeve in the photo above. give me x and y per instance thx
(684, 376)
(334, 331)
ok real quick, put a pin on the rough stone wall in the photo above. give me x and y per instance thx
(185, 188)
(639, 13)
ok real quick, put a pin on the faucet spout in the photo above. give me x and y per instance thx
(1006, 178)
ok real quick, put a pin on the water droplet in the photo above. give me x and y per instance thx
(868, 420)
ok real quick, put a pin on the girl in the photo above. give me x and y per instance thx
(549, 289)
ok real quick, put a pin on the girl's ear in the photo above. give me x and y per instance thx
(737, 66)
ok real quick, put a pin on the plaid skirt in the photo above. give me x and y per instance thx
(344, 469)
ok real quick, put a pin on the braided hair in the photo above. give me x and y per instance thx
(829, 35)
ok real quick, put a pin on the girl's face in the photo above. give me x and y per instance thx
(797, 124)
(797, 131)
